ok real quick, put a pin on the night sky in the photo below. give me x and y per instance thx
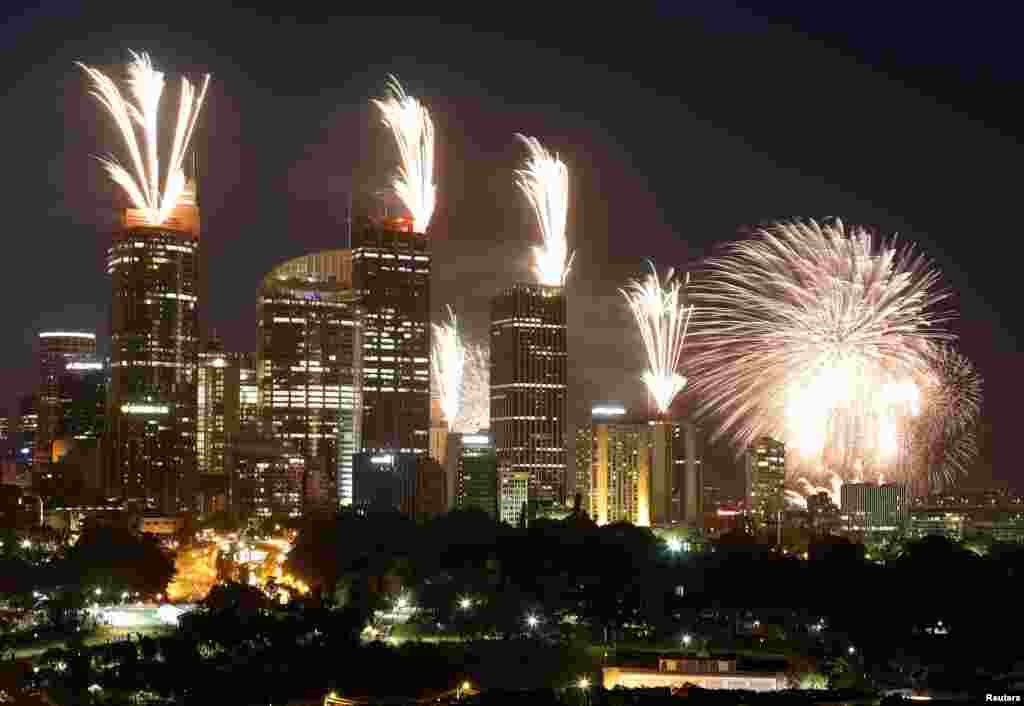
(678, 131)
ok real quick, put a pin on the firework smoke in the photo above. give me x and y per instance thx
(545, 182)
(410, 123)
(815, 335)
(945, 438)
(142, 182)
(448, 361)
(663, 317)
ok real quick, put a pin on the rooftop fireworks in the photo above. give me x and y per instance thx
(663, 317)
(448, 360)
(142, 181)
(818, 336)
(410, 123)
(545, 182)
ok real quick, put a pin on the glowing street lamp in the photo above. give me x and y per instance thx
(98, 591)
(465, 603)
(532, 621)
(402, 603)
(687, 639)
(583, 683)
(675, 545)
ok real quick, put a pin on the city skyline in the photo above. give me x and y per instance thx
(458, 245)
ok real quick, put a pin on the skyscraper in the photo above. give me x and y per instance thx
(155, 273)
(391, 273)
(248, 392)
(56, 350)
(765, 475)
(671, 468)
(528, 388)
(477, 474)
(617, 489)
(308, 369)
(217, 422)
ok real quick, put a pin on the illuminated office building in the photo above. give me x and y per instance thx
(412, 484)
(765, 477)
(267, 477)
(528, 388)
(308, 369)
(866, 507)
(82, 412)
(513, 495)
(56, 350)
(583, 465)
(618, 491)
(476, 473)
(671, 466)
(25, 430)
(391, 273)
(248, 392)
(155, 273)
(217, 422)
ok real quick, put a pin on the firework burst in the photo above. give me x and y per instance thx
(141, 182)
(815, 335)
(945, 438)
(410, 123)
(663, 317)
(448, 362)
(544, 181)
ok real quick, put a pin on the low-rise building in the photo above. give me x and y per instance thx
(706, 673)
(160, 524)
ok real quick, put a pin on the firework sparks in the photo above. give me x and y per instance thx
(815, 335)
(410, 123)
(142, 181)
(475, 411)
(448, 361)
(663, 318)
(545, 182)
(946, 434)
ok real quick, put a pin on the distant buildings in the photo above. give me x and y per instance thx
(765, 476)
(984, 515)
(866, 507)
(154, 330)
(308, 369)
(529, 388)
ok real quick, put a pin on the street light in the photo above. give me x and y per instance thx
(851, 650)
(686, 640)
(465, 603)
(583, 683)
(532, 621)
(402, 603)
(98, 591)
(675, 545)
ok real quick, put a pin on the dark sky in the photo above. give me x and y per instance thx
(678, 130)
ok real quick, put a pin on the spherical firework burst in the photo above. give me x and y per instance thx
(945, 435)
(815, 335)
(545, 182)
(662, 315)
(448, 359)
(410, 123)
(142, 182)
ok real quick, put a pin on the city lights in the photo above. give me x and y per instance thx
(465, 603)
(675, 545)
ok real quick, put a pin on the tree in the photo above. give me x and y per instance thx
(116, 560)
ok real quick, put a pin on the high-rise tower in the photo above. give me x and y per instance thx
(308, 369)
(155, 273)
(391, 273)
(57, 349)
(528, 387)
